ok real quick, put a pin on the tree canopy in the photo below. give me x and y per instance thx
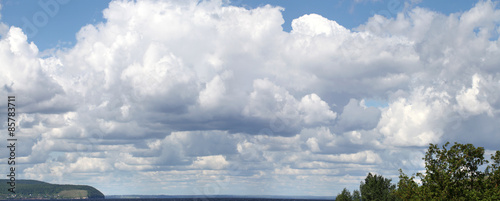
(376, 187)
(451, 173)
(345, 195)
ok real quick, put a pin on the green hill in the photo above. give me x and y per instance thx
(26, 189)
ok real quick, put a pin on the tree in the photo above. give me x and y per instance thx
(492, 183)
(356, 196)
(407, 188)
(345, 195)
(376, 187)
(453, 174)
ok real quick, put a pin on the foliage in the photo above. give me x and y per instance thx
(356, 195)
(451, 173)
(38, 189)
(345, 195)
(73, 194)
(492, 183)
(376, 187)
(407, 187)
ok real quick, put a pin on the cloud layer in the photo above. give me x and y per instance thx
(203, 98)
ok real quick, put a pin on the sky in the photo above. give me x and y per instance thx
(276, 97)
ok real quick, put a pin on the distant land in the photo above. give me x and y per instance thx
(33, 189)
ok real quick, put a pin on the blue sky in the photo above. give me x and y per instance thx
(215, 97)
(61, 28)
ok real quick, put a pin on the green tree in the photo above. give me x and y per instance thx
(407, 188)
(453, 174)
(376, 187)
(345, 195)
(356, 196)
(492, 183)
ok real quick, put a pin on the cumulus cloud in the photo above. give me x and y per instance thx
(417, 121)
(357, 116)
(470, 101)
(24, 74)
(210, 162)
(198, 93)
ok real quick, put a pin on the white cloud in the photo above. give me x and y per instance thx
(85, 164)
(269, 102)
(417, 120)
(471, 101)
(314, 24)
(316, 110)
(210, 162)
(312, 143)
(360, 157)
(356, 116)
(213, 94)
(23, 74)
